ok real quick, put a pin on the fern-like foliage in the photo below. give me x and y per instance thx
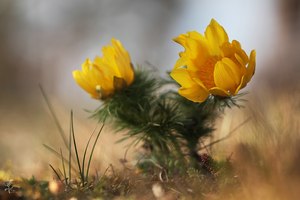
(150, 111)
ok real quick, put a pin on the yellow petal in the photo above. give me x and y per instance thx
(123, 62)
(183, 77)
(227, 75)
(240, 60)
(216, 36)
(99, 78)
(218, 92)
(201, 50)
(249, 72)
(238, 50)
(84, 84)
(241, 86)
(227, 49)
(181, 62)
(191, 89)
(194, 93)
(196, 49)
(199, 82)
(103, 65)
(233, 70)
(191, 48)
(251, 67)
(108, 59)
(181, 39)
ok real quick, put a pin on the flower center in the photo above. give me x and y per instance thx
(206, 72)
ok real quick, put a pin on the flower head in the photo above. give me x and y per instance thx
(211, 64)
(107, 74)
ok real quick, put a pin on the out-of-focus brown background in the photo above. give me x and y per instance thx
(41, 42)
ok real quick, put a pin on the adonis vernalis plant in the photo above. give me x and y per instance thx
(211, 64)
(211, 72)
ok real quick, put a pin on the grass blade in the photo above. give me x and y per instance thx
(60, 130)
(227, 136)
(58, 155)
(86, 148)
(92, 151)
(76, 151)
(55, 172)
(64, 169)
(70, 155)
(51, 150)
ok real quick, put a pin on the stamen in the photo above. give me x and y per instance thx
(99, 91)
(98, 88)
(206, 72)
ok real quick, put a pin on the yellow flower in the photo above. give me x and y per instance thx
(211, 64)
(107, 74)
(5, 176)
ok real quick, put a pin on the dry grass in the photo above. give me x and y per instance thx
(266, 150)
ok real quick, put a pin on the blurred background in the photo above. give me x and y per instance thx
(42, 42)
